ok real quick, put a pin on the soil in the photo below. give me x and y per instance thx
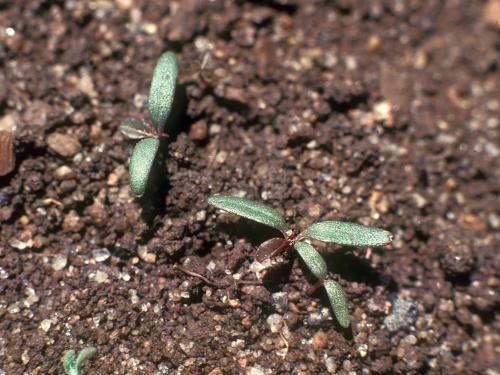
(384, 113)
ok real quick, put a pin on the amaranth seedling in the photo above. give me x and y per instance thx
(342, 233)
(73, 364)
(161, 98)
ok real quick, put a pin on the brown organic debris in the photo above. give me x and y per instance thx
(7, 156)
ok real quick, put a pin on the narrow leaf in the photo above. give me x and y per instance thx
(249, 209)
(162, 90)
(270, 248)
(134, 129)
(69, 362)
(85, 354)
(313, 260)
(141, 164)
(349, 234)
(337, 300)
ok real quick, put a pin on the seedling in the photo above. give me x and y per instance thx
(149, 133)
(73, 364)
(342, 233)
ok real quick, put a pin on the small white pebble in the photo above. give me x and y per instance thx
(45, 325)
(9, 31)
(99, 277)
(100, 255)
(363, 350)
(275, 322)
(59, 262)
(255, 370)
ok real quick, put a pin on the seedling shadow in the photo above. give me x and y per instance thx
(256, 234)
(352, 267)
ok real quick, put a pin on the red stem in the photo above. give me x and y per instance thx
(315, 286)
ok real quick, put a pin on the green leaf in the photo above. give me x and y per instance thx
(162, 90)
(249, 209)
(349, 234)
(85, 354)
(336, 296)
(69, 362)
(141, 164)
(134, 129)
(313, 260)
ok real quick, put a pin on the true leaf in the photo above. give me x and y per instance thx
(85, 354)
(313, 260)
(141, 164)
(249, 209)
(336, 296)
(162, 90)
(134, 129)
(349, 234)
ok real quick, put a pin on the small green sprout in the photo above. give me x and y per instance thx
(161, 98)
(342, 233)
(73, 364)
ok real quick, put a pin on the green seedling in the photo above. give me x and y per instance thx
(73, 364)
(149, 133)
(342, 233)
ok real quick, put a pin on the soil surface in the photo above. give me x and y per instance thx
(384, 113)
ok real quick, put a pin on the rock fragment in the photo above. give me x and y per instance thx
(64, 144)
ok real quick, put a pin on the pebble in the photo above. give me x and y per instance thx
(99, 277)
(221, 157)
(100, 255)
(25, 358)
(403, 315)
(347, 365)
(3, 274)
(45, 325)
(320, 340)
(31, 297)
(374, 43)
(458, 259)
(145, 255)
(280, 301)
(314, 211)
(124, 5)
(72, 222)
(254, 370)
(201, 215)
(318, 317)
(64, 173)
(383, 111)
(86, 85)
(363, 350)
(491, 12)
(216, 371)
(410, 340)
(215, 129)
(330, 365)
(198, 131)
(64, 144)
(163, 368)
(275, 322)
(17, 244)
(59, 262)
(8, 123)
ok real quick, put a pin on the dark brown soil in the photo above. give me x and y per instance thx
(381, 112)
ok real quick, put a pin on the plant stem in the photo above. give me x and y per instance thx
(315, 286)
